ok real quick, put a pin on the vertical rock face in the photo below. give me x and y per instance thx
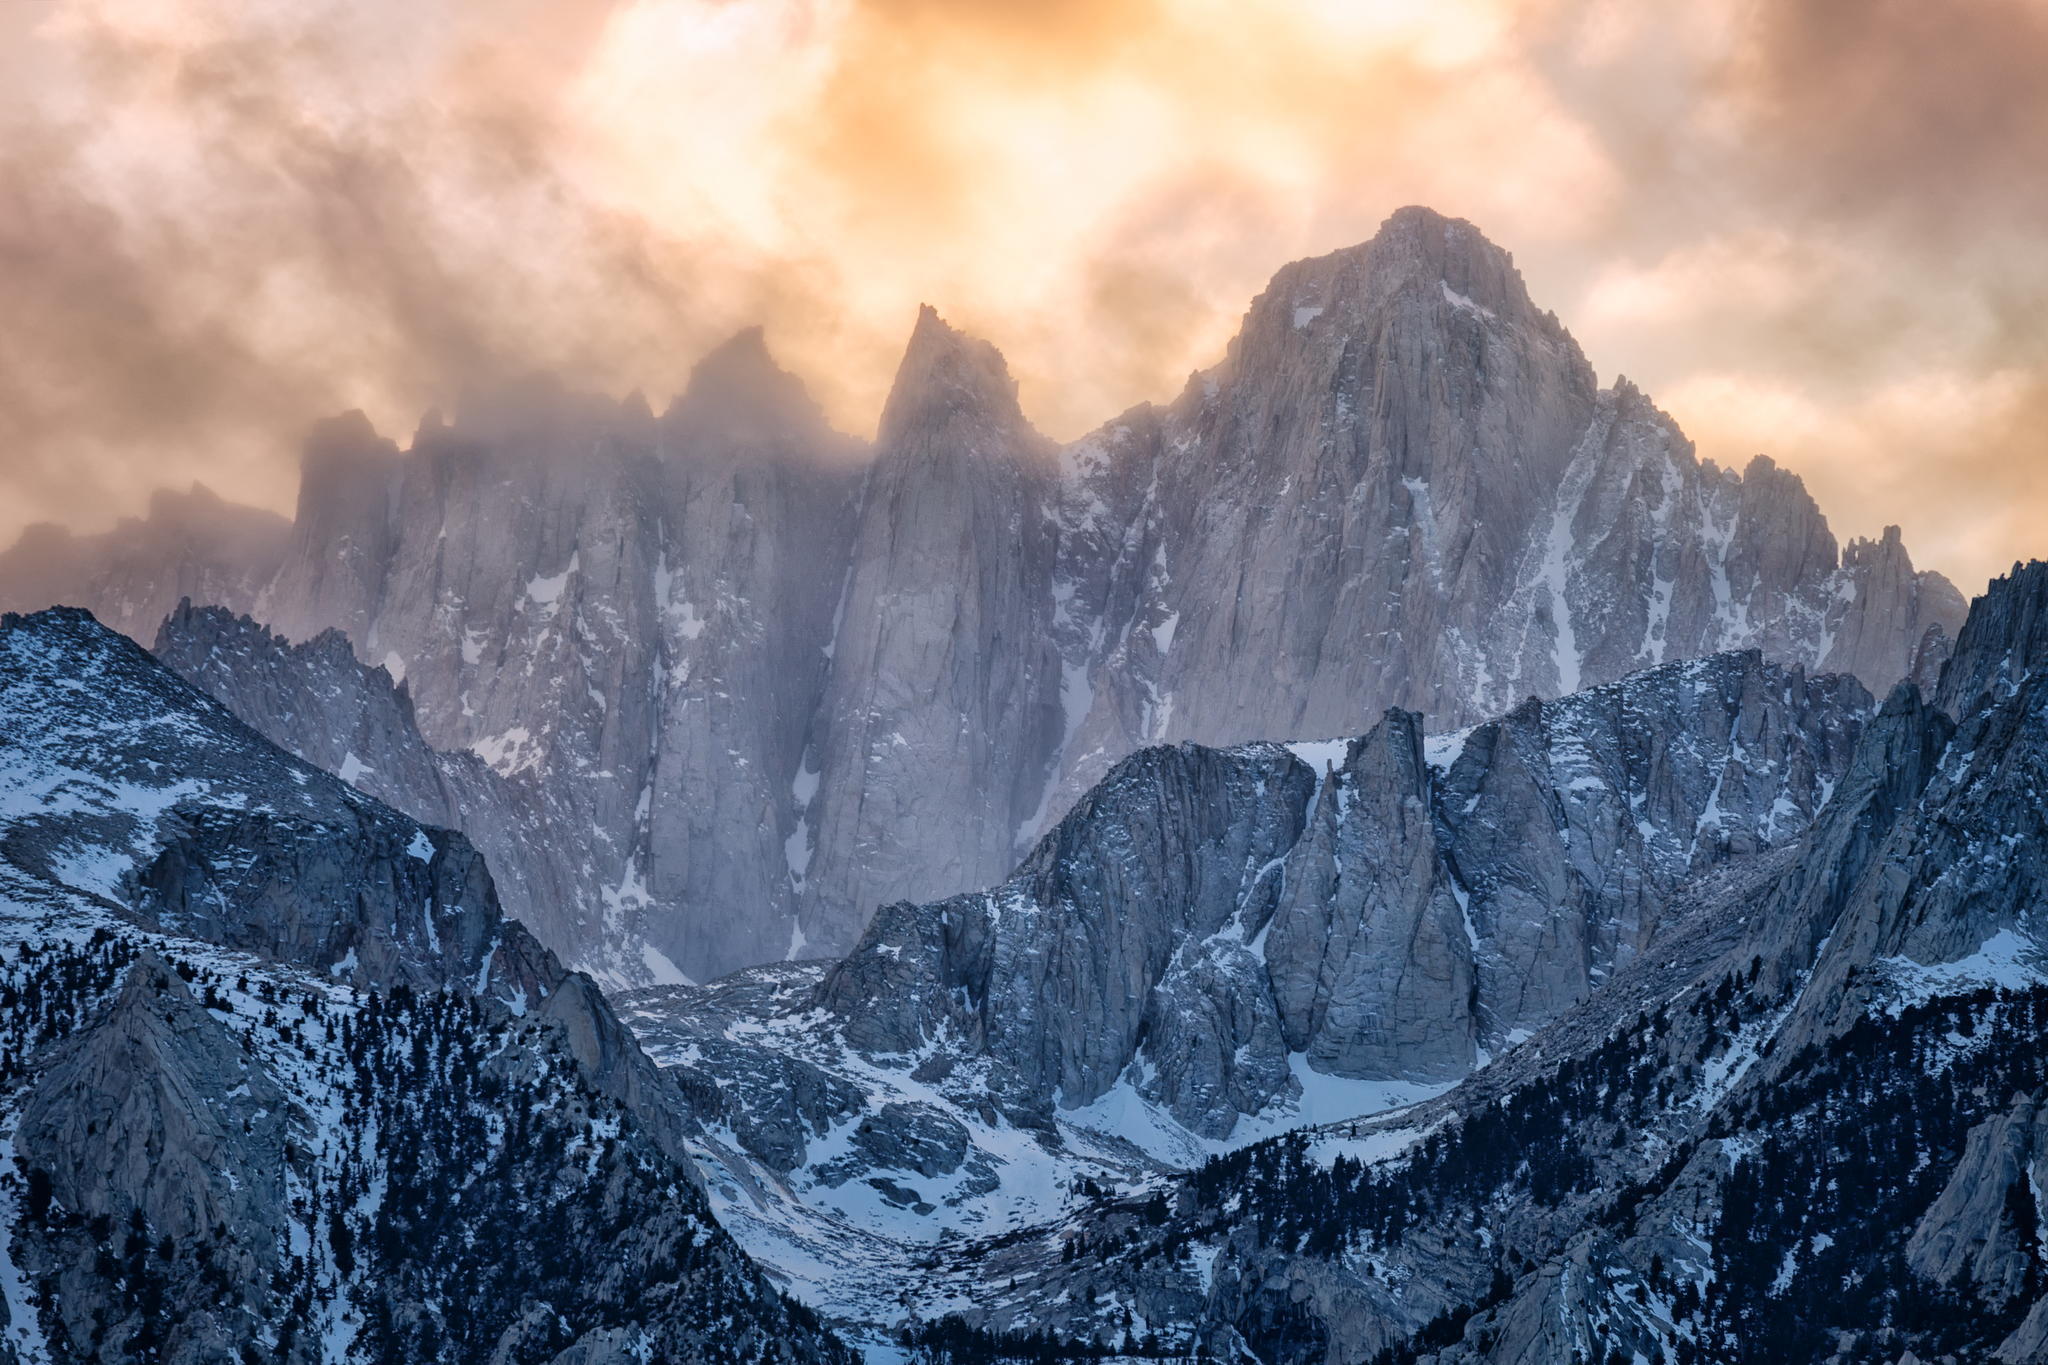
(1369, 954)
(1055, 973)
(943, 709)
(769, 691)
(623, 619)
(1202, 915)
(157, 1113)
(332, 572)
(1402, 488)
(2004, 642)
(1811, 1098)
(1359, 468)
(1983, 1233)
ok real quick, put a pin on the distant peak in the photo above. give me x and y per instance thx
(1431, 247)
(2004, 638)
(346, 437)
(932, 336)
(171, 502)
(1416, 221)
(738, 393)
(742, 365)
(745, 352)
(1421, 267)
(946, 375)
(347, 429)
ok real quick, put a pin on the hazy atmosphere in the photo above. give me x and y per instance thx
(1807, 228)
(968, 682)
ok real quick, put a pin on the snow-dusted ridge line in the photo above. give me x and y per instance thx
(340, 1105)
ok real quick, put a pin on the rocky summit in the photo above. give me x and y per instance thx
(757, 680)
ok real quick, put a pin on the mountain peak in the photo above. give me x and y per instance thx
(2004, 638)
(344, 440)
(1421, 271)
(738, 394)
(1417, 230)
(1419, 247)
(947, 377)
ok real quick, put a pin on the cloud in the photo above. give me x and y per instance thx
(221, 219)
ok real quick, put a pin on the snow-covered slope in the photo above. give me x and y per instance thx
(278, 1081)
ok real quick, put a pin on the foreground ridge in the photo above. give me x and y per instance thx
(278, 1081)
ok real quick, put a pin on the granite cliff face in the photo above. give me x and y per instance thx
(1217, 945)
(1403, 488)
(1802, 1124)
(1203, 916)
(942, 647)
(279, 1081)
(629, 641)
(760, 682)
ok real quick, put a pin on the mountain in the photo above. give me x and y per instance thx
(757, 681)
(191, 544)
(1216, 945)
(1402, 487)
(1803, 1124)
(279, 1081)
(943, 707)
(630, 639)
(322, 704)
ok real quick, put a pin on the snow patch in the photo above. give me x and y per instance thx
(1321, 754)
(661, 970)
(1464, 304)
(1442, 752)
(2007, 959)
(509, 753)
(688, 623)
(546, 591)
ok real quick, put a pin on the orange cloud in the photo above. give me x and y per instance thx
(220, 219)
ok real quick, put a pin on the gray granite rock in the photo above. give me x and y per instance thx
(943, 708)
(757, 682)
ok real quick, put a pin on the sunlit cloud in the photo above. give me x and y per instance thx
(1798, 225)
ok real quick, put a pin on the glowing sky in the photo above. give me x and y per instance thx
(1814, 228)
